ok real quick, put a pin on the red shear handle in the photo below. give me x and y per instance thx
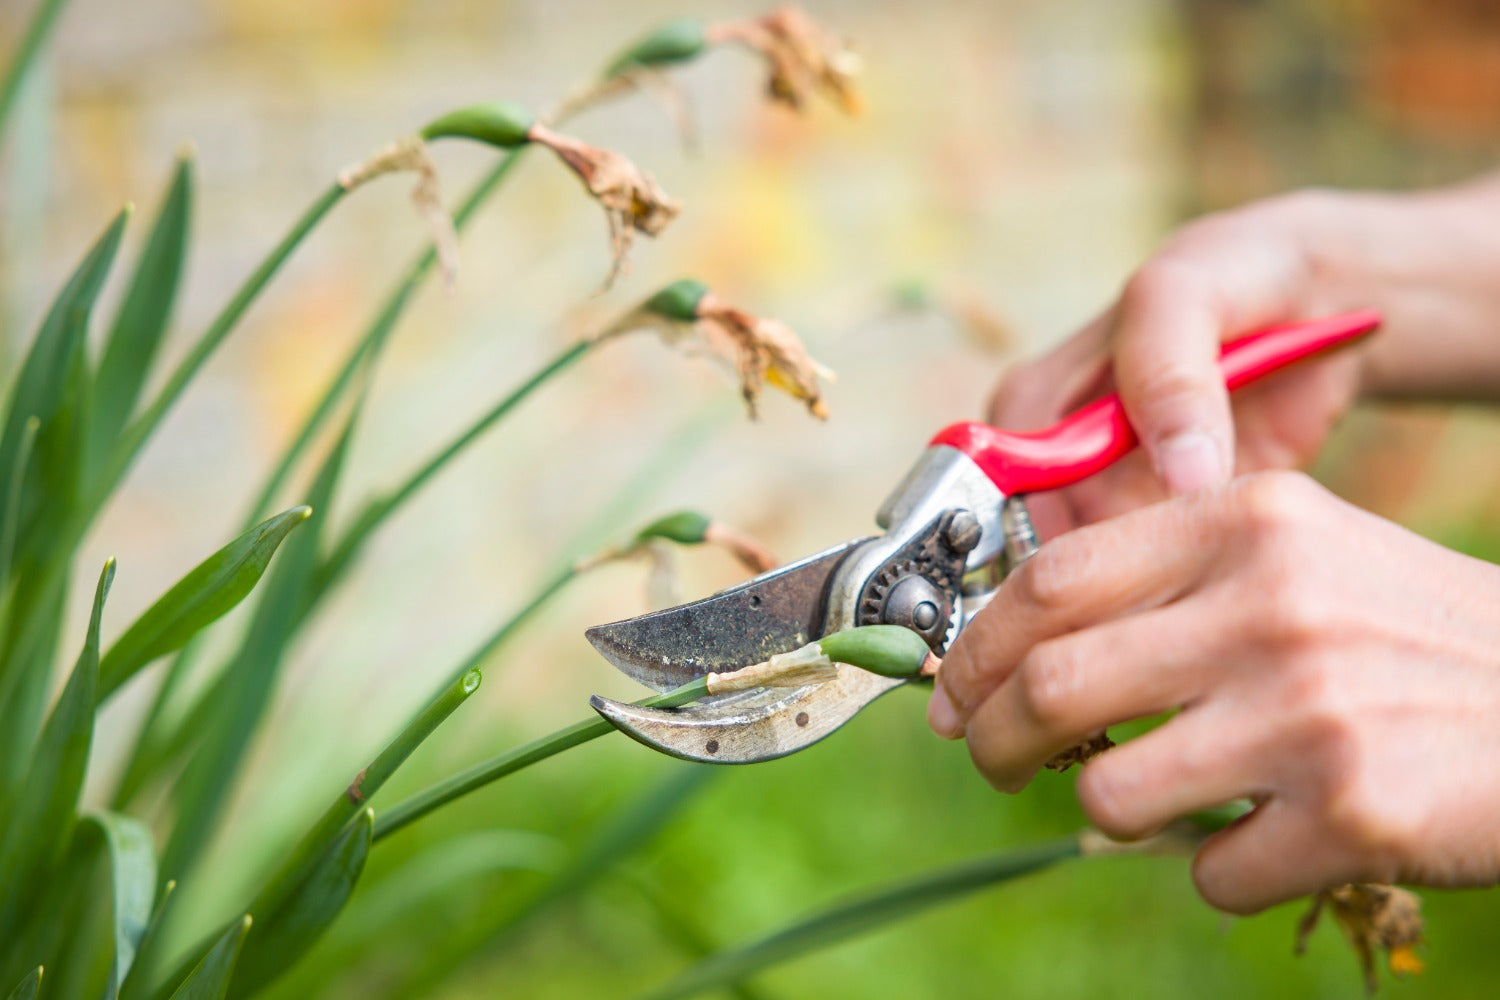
(1093, 437)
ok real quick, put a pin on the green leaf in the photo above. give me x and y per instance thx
(37, 32)
(148, 952)
(41, 389)
(28, 988)
(39, 826)
(863, 914)
(250, 679)
(287, 933)
(10, 505)
(209, 979)
(200, 598)
(132, 865)
(142, 318)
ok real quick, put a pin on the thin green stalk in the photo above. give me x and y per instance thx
(378, 510)
(139, 430)
(522, 757)
(367, 348)
(42, 23)
(863, 914)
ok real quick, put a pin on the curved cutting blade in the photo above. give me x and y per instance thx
(773, 613)
(751, 726)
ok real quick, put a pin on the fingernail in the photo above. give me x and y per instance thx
(942, 716)
(1190, 461)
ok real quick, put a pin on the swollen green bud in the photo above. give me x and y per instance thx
(679, 300)
(889, 650)
(686, 527)
(674, 42)
(499, 123)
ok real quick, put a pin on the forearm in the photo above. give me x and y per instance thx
(1431, 263)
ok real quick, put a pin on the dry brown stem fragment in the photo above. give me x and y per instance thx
(1080, 754)
(801, 54)
(805, 665)
(1372, 916)
(411, 154)
(632, 200)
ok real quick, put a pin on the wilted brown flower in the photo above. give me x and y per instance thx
(802, 56)
(763, 351)
(411, 154)
(1372, 916)
(633, 202)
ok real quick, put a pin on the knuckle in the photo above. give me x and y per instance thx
(1049, 681)
(1271, 502)
(1363, 816)
(1055, 577)
(1167, 278)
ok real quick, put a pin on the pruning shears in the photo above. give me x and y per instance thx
(951, 530)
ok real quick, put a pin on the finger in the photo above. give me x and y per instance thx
(1204, 757)
(1141, 559)
(1219, 279)
(1069, 687)
(1275, 854)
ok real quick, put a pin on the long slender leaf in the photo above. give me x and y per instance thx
(37, 830)
(148, 949)
(132, 865)
(142, 427)
(142, 318)
(250, 679)
(37, 32)
(10, 505)
(209, 979)
(863, 914)
(287, 933)
(28, 988)
(41, 388)
(200, 598)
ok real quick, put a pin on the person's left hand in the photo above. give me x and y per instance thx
(1338, 670)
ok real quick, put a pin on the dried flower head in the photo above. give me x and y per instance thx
(633, 202)
(411, 154)
(1372, 917)
(762, 351)
(802, 56)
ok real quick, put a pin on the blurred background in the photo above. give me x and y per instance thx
(1017, 158)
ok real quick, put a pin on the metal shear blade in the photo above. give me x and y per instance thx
(750, 726)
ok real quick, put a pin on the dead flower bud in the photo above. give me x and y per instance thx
(1372, 916)
(801, 54)
(690, 317)
(632, 200)
(411, 154)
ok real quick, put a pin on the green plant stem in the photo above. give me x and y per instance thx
(42, 23)
(367, 349)
(140, 429)
(863, 914)
(522, 757)
(380, 509)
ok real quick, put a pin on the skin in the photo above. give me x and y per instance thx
(1336, 669)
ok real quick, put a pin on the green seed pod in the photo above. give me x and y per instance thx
(686, 527)
(889, 650)
(674, 42)
(679, 300)
(499, 123)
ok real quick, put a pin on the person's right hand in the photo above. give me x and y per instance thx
(1420, 259)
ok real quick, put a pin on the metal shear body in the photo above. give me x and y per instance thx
(951, 530)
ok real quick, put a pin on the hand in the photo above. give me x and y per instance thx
(1430, 263)
(1336, 669)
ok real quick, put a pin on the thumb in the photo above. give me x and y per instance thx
(1166, 362)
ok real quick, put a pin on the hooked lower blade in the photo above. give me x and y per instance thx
(751, 726)
(773, 613)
